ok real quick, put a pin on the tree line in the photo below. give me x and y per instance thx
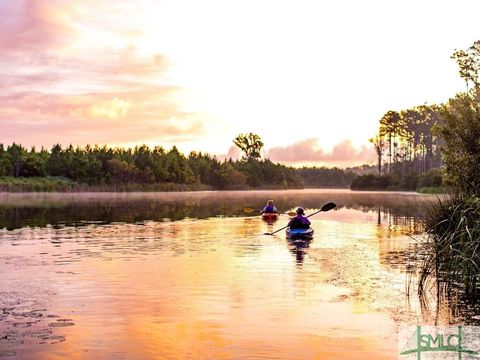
(145, 168)
(408, 145)
(413, 144)
(409, 141)
(432, 145)
(95, 165)
(419, 139)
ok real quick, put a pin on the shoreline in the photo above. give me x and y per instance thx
(65, 185)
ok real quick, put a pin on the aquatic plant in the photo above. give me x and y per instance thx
(453, 245)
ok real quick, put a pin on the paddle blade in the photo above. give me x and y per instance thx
(248, 210)
(291, 213)
(329, 206)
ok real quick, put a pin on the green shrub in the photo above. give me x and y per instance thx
(374, 182)
(433, 178)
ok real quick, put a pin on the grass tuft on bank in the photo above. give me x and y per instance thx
(433, 190)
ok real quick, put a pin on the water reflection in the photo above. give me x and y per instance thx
(299, 249)
(190, 275)
(444, 299)
(40, 210)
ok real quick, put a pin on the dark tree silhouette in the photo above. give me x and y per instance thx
(380, 145)
(469, 63)
(250, 144)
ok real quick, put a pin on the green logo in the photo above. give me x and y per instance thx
(439, 341)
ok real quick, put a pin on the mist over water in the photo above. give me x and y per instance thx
(57, 209)
(190, 275)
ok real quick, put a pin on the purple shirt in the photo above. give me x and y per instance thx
(299, 222)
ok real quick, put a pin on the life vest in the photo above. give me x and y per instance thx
(269, 209)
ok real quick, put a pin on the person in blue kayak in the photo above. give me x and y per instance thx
(269, 209)
(299, 221)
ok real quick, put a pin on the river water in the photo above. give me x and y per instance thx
(191, 276)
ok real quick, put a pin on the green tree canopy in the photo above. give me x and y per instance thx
(461, 133)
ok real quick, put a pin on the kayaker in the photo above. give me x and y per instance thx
(269, 209)
(299, 221)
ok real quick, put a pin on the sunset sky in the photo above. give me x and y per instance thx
(312, 78)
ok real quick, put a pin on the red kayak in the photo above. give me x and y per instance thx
(269, 216)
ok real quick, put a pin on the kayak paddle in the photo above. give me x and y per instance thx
(327, 207)
(250, 210)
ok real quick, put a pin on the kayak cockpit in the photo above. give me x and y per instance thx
(299, 234)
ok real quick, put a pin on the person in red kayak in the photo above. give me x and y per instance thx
(299, 221)
(269, 209)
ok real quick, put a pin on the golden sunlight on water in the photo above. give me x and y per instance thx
(211, 288)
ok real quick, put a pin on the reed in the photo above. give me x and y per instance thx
(453, 245)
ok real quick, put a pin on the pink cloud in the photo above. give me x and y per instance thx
(34, 25)
(301, 151)
(48, 133)
(345, 151)
(309, 151)
(50, 94)
(232, 153)
(44, 119)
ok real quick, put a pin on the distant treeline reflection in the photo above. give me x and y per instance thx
(17, 211)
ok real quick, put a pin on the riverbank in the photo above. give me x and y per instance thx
(62, 184)
(433, 190)
(36, 184)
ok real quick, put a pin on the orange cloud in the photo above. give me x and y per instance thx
(44, 119)
(111, 109)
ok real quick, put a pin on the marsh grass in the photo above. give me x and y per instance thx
(61, 184)
(36, 184)
(452, 247)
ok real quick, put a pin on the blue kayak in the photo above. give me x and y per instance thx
(299, 234)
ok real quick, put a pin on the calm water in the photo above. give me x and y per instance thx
(190, 275)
